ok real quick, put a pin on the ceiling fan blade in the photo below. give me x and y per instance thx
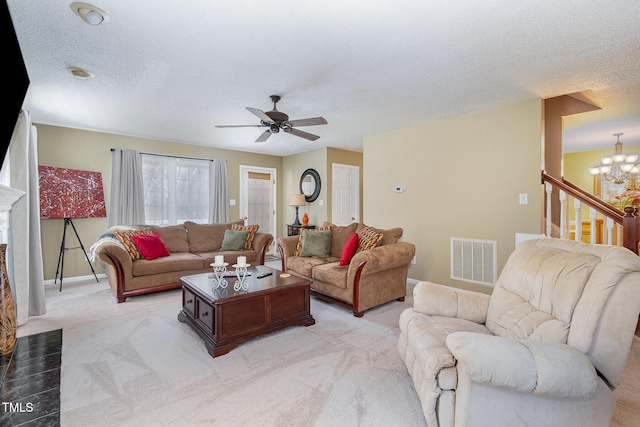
(313, 121)
(261, 115)
(301, 134)
(239, 126)
(264, 136)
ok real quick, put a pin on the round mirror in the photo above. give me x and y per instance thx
(310, 185)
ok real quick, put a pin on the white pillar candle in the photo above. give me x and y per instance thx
(219, 259)
(242, 261)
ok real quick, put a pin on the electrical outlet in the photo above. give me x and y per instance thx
(413, 260)
(524, 199)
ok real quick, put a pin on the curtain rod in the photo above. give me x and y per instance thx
(171, 155)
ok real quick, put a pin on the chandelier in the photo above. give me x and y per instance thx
(618, 167)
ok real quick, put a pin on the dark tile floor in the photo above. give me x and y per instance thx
(30, 381)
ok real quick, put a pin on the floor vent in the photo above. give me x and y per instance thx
(473, 260)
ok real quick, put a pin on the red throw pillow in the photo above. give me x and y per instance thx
(150, 246)
(349, 249)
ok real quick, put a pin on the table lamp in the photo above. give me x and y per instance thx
(297, 200)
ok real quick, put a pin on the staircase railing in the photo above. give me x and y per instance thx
(606, 224)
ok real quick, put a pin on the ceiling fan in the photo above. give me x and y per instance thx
(275, 120)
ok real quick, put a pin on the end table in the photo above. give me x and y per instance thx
(294, 230)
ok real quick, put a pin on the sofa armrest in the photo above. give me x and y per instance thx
(112, 252)
(260, 244)
(439, 300)
(551, 369)
(286, 247)
(383, 258)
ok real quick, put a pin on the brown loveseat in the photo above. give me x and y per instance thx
(372, 277)
(192, 248)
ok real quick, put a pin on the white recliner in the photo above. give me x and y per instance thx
(547, 348)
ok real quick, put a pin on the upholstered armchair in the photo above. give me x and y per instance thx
(546, 348)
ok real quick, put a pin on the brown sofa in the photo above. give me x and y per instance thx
(372, 277)
(192, 248)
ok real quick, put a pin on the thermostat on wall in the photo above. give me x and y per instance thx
(400, 189)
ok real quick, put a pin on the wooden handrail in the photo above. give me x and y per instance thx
(629, 219)
(589, 199)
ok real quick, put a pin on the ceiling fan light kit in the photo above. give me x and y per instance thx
(275, 120)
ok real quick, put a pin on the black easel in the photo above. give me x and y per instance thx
(63, 249)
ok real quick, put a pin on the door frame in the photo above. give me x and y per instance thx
(354, 170)
(244, 174)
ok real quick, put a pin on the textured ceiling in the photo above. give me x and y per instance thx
(172, 70)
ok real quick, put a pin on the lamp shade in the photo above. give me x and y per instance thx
(297, 200)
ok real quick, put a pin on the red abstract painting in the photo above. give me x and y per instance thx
(70, 193)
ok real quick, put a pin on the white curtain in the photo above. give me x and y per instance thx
(25, 269)
(127, 192)
(218, 192)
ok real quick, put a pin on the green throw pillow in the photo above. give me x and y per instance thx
(234, 240)
(316, 244)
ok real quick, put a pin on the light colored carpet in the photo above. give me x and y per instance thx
(135, 364)
(627, 410)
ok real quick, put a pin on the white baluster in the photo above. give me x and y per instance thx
(578, 221)
(563, 214)
(548, 189)
(610, 231)
(592, 215)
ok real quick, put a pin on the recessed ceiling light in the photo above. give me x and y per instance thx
(90, 14)
(80, 73)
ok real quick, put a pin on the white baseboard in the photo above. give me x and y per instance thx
(77, 279)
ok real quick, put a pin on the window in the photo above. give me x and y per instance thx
(176, 189)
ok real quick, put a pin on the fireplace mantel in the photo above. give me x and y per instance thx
(8, 196)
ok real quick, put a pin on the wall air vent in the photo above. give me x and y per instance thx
(473, 261)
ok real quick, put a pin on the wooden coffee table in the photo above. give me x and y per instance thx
(225, 318)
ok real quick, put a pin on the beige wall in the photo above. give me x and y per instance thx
(346, 158)
(293, 167)
(440, 202)
(463, 177)
(321, 160)
(85, 150)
